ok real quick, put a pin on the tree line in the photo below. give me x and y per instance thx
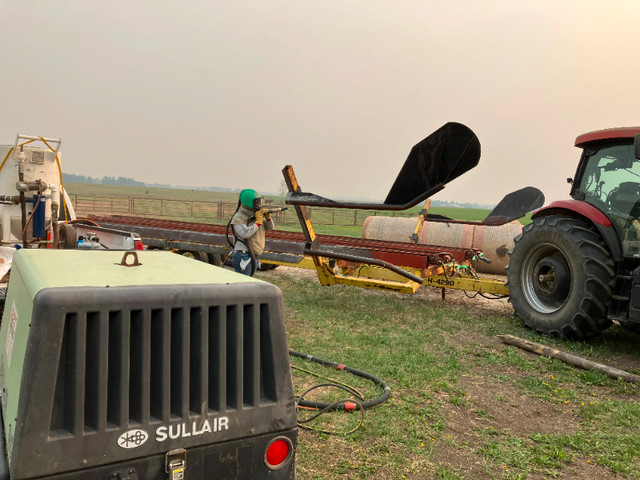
(130, 182)
(125, 181)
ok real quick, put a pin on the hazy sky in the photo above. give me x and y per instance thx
(226, 93)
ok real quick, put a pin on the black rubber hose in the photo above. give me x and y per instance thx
(226, 232)
(323, 405)
(368, 260)
(254, 260)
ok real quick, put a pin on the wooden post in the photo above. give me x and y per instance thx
(568, 358)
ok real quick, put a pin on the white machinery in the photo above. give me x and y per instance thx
(31, 212)
(30, 191)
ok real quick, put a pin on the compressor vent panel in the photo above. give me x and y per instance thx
(120, 368)
(165, 361)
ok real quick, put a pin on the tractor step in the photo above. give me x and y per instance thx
(622, 298)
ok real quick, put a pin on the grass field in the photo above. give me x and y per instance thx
(112, 191)
(100, 190)
(463, 405)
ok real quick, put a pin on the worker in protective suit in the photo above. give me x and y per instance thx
(249, 224)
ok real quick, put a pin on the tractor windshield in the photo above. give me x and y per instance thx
(611, 182)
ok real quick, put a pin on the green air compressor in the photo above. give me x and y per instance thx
(142, 366)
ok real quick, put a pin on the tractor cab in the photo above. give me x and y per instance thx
(608, 178)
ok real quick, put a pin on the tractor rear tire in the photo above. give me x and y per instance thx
(560, 278)
(201, 256)
(265, 267)
(66, 236)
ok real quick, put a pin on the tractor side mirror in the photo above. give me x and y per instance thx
(636, 146)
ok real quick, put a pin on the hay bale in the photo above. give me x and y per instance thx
(493, 241)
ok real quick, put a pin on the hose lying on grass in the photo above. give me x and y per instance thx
(341, 405)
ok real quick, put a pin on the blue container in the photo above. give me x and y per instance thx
(38, 221)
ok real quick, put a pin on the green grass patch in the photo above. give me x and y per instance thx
(451, 381)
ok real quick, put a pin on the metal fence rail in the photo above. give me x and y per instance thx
(209, 212)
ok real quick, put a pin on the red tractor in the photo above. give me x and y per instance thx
(576, 268)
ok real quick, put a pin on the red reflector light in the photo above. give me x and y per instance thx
(277, 453)
(138, 245)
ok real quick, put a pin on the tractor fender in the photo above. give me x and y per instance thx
(580, 209)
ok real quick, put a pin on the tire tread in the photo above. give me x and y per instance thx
(591, 318)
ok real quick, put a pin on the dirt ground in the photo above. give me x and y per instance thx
(453, 297)
(520, 416)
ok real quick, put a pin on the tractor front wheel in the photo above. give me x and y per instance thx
(560, 278)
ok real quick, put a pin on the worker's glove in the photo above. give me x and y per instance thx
(259, 217)
(267, 215)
